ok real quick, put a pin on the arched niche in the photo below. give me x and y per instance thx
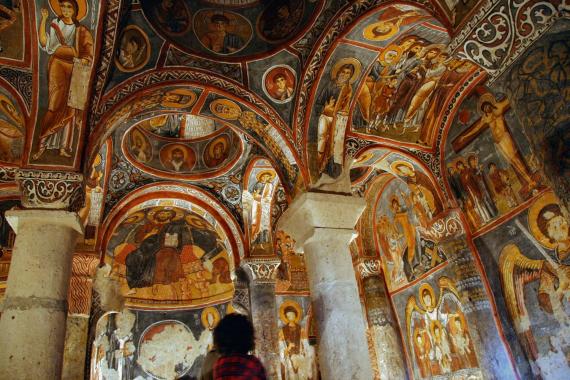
(13, 122)
(172, 247)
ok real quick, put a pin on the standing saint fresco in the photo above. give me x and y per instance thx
(262, 193)
(297, 356)
(334, 104)
(70, 46)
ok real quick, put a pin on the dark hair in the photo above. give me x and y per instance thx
(349, 66)
(75, 8)
(277, 76)
(220, 18)
(234, 335)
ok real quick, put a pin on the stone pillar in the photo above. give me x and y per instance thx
(262, 274)
(79, 300)
(323, 226)
(386, 343)
(32, 326)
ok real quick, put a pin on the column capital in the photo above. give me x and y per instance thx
(316, 210)
(16, 218)
(42, 189)
(261, 270)
(368, 267)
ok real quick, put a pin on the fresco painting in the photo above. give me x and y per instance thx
(402, 222)
(279, 83)
(441, 337)
(222, 33)
(230, 30)
(411, 78)
(538, 89)
(12, 24)
(491, 179)
(257, 199)
(292, 276)
(137, 344)
(527, 263)
(170, 257)
(297, 354)
(92, 212)
(12, 129)
(134, 51)
(66, 58)
(182, 145)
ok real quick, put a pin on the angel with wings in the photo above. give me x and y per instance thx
(438, 332)
(548, 229)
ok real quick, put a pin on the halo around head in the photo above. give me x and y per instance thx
(290, 304)
(204, 317)
(260, 174)
(485, 98)
(223, 139)
(81, 8)
(429, 289)
(176, 212)
(394, 166)
(347, 61)
(535, 212)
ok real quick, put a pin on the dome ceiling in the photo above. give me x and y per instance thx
(185, 146)
(230, 30)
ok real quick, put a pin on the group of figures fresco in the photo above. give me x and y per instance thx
(228, 32)
(189, 146)
(292, 276)
(167, 255)
(397, 93)
(404, 214)
(438, 331)
(489, 179)
(409, 81)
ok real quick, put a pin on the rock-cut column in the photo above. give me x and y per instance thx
(262, 274)
(323, 226)
(33, 322)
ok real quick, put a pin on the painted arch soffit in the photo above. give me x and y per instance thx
(385, 79)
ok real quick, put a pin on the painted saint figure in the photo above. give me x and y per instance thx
(334, 102)
(262, 193)
(218, 39)
(296, 355)
(68, 43)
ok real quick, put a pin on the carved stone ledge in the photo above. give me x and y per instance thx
(369, 267)
(51, 190)
(261, 270)
(7, 174)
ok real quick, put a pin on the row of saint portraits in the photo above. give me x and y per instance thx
(171, 345)
(179, 157)
(224, 32)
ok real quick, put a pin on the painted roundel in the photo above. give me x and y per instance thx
(231, 30)
(182, 146)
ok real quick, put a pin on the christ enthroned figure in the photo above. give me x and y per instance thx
(493, 118)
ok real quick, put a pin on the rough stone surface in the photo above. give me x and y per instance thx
(32, 326)
(75, 347)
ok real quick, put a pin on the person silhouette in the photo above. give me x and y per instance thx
(234, 339)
